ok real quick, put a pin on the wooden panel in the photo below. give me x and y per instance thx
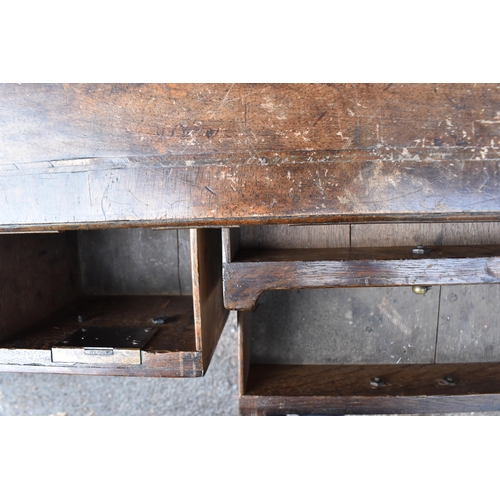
(485, 233)
(316, 236)
(39, 274)
(331, 406)
(464, 310)
(170, 353)
(133, 262)
(386, 235)
(60, 121)
(244, 353)
(283, 389)
(337, 326)
(86, 193)
(258, 271)
(469, 324)
(231, 240)
(184, 255)
(465, 233)
(228, 154)
(210, 314)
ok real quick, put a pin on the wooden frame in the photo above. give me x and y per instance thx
(253, 264)
(44, 300)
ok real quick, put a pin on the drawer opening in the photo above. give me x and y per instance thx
(302, 293)
(371, 350)
(57, 284)
(263, 258)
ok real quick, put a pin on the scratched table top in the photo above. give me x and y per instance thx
(91, 155)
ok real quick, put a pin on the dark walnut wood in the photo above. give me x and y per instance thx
(170, 353)
(114, 278)
(339, 390)
(315, 352)
(253, 272)
(94, 155)
(209, 312)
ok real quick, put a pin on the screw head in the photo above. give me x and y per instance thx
(449, 381)
(160, 320)
(420, 249)
(376, 382)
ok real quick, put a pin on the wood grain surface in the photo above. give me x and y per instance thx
(209, 312)
(94, 154)
(343, 338)
(38, 274)
(339, 390)
(112, 278)
(170, 353)
(258, 271)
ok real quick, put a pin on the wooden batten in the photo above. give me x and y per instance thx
(209, 313)
(244, 354)
(371, 389)
(231, 240)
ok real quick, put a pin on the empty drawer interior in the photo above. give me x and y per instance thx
(323, 346)
(165, 282)
(261, 258)
(353, 349)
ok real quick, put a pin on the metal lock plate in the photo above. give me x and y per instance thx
(109, 346)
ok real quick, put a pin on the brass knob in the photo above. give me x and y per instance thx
(420, 290)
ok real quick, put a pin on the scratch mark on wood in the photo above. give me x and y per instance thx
(144, 203)
(320, 117)
(169, 176)
(254, 152)
(102, 201)
(211, 190)
(404, 195)
(90, 190)
(223, 101)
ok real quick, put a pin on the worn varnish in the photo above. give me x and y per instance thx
(223, 154)
(116, 156)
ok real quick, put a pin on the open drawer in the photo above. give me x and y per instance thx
(138, 302)
(352, 338)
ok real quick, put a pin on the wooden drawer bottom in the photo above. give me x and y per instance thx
(350, 389)
(72, 302)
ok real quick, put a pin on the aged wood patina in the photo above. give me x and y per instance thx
(93, 155)
(315, 185)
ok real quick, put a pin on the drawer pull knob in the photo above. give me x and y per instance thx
(420, 290)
